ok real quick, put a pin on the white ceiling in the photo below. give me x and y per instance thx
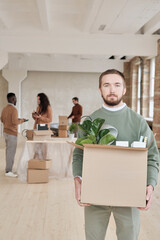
(61, 34)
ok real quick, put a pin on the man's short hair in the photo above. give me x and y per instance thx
(111, 71)
(10, 96)
(75, 98)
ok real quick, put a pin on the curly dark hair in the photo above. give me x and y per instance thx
(44, 103)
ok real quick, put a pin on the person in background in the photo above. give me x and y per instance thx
(76, 111)
(43, 113)
(10, 120)
(130, 126)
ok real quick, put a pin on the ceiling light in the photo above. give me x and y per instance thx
(112, 57)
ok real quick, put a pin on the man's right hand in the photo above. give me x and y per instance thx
(78, 182)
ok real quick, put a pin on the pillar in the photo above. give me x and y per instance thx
(15, 78)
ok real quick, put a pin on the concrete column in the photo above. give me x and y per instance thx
(3, 59)
(156, 118)
(15, 78)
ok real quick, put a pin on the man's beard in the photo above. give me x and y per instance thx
(112, 103)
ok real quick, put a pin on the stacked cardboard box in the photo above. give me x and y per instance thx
(37, 171)
(63, 127)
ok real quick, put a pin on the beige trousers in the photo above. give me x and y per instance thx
(97, 218)
(11, 145)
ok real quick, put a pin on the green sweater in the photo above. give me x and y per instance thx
(130, 126)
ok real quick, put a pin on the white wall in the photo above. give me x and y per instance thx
(60, 87)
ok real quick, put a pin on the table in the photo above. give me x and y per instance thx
(56, 149)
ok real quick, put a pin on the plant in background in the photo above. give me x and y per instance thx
(94, 134)
(73, 128)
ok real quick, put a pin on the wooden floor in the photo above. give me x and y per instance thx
(49, 211)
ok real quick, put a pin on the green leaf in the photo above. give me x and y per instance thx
(102, 133)
(73, 128)
(85, 126)
(92, 138)
(87, 141)
(78, 141)
(96, 125)
(106, 139)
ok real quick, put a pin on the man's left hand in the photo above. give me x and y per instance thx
(149, 196)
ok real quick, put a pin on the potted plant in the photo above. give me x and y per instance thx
(96, 132)
(72, 129)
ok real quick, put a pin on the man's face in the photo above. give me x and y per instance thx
(15, 101)
(112, 90)
(74, 101)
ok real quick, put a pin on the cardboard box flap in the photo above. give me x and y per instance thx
(105, 146)
(112, 147)
(75, 145)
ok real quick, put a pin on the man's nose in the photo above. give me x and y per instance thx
(112, 89)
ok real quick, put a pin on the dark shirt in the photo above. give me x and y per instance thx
(76, 112)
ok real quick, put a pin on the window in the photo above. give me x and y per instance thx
(139, 89)
(151, 93)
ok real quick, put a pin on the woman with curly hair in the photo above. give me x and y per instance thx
(43, 113)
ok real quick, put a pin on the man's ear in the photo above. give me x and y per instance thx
(124, 91)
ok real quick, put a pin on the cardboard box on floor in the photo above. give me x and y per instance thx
(114, 176)
(37, 175)
(39, 164)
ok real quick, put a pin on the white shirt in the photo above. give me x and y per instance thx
(115, 108)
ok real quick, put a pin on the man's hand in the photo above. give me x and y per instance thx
(149, 196)
(72, 117)
(78, 182)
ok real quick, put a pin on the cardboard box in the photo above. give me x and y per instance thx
(37, 176)
(39, 164)
(63, 120)
(62, 133)
(114, 176)
(42, 135)
(63, 127)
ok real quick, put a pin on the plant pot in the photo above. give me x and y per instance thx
(71, 135)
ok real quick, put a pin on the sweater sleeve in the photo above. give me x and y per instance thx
(1, 118)
(71, 114)
(78, 158)
(15, 119)
(47, 119)
(153, 155)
